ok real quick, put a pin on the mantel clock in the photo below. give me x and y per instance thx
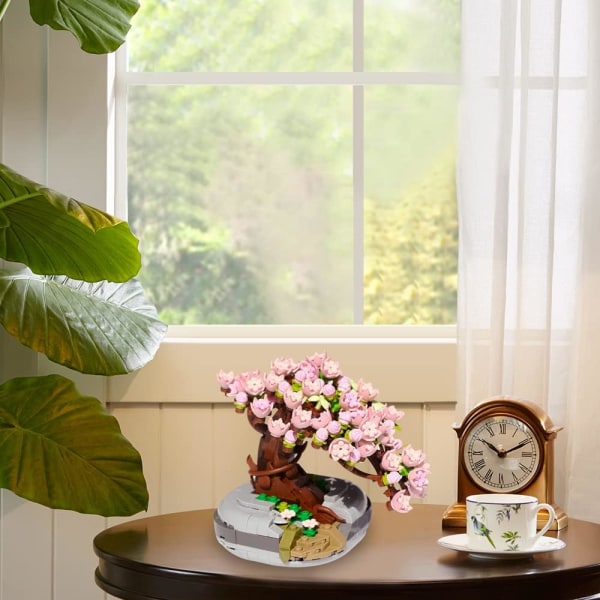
(506, 445)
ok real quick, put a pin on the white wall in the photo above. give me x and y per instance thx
(55, 121)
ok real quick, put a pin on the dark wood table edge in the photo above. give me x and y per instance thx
(159, 583)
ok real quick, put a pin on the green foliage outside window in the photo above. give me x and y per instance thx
(242, 195)
(412, 251)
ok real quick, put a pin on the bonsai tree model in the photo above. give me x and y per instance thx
(73, 298)
(312, 401)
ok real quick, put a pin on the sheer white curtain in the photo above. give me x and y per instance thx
(529, 210)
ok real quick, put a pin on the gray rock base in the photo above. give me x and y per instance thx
(250, 528)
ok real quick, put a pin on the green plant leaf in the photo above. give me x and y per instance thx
(100, 328)
(100, 26)
(61, 449)
(56, 235)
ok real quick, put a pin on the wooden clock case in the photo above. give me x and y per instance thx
(541, 486)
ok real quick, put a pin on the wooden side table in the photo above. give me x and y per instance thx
(176, 557)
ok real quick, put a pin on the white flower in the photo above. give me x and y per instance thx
(288, 514)
(310, 523)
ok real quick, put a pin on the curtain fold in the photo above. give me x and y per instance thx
(528, 177)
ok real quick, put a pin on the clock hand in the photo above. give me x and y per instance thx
(519, 445)
(491, 446)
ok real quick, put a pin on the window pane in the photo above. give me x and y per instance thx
(410, 205)
(242, 198)
(242, 35)
(412, 35)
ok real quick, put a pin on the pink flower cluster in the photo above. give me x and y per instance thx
(313, 400)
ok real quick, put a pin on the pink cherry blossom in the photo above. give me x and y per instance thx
(252, 383)
(334, 427)
(401, 502)
(277, 428)
(366, 448)
(261, 407)
(412, 457)
(241, 398)
(225, 378)
(306, 371)
(328, 390)
(290, 438)
(391, 461)
(355, 435)
(387, 426)
(354, 454)
(300, 375)
(322, 420)
(330, 368)
(391, 412)
(283, 366)
(344, 384)
(358, 415)
(341, 449)
(284, 386)
(301, 418)
(234, 388)
(370, 430)
(349, 400)
(312, 387)
(366, 391)
(375, 411)
(272, 381)
(317, 359)
(391, 478)
(345, 416)
(417, 481)
(321, 435)
(293, 399)
(390, 441)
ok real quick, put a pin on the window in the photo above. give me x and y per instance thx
(292, 161)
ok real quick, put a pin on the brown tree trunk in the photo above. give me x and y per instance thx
(277, 473)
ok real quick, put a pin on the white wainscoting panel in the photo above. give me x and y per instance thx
(194, 447)
(193, 454)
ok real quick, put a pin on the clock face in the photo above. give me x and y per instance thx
(501, 454)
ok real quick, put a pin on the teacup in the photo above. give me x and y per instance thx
(505, 522)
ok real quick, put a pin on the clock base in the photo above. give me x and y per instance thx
(456, 516)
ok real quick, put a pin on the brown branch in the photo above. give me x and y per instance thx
(360, 473)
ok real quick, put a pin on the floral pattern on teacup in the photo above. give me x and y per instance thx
(504, 511)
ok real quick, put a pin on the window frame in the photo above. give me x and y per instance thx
(358, 79)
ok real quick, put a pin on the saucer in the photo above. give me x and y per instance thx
(459, 542)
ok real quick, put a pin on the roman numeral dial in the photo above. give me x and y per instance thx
(501, 454)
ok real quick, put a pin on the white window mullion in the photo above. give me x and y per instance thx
(358, 162)
(293, 78)
(358, 34)
(120, 90)
(358, 171)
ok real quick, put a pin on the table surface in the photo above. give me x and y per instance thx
(176, 557)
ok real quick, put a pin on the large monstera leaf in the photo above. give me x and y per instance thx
(99, 328)
(56, 235)
(100, 26)
(61, 449)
